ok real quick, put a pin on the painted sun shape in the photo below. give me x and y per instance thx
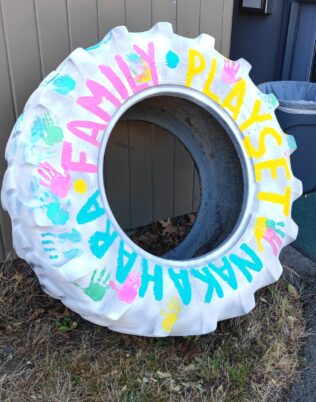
(174, 309)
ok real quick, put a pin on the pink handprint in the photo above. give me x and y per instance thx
(128, 291)
(55, 181)
(272, 238)
(230, 71)
(270, 231)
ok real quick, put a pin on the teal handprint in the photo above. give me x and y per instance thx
(273, 225)
(99, 284)
(60, 246)
(64, 84)
(55, 212)
(47, 129)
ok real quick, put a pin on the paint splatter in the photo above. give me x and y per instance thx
(172, 59)
(57, 183)
(267, 229)
(64, 84)
(129, 290)
(174, 309)
(80, 186)
(47, 129)
(55, 213)
(98, 286)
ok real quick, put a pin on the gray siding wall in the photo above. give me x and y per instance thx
(36, 35)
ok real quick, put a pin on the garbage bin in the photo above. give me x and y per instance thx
(297, 116)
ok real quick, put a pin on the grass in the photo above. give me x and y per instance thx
(49, 354)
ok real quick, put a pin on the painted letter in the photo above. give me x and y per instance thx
(209, 82)
(225, 272)
(282, 199)
(91, 210)
(91, 103)
(206, 276)
(100, 242)
(258, 153)
(245, 265)
(238, 91)
(193, 68)
(182, 283)
(149, 57)
(273, 166)
(115, 80)
(123, 268)
(255, 116)
(81, 166)
(130, 79)
(95, 129)
(156, 278)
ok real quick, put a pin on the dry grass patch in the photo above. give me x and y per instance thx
(49, 354)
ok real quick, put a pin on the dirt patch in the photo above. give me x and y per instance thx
(50, 354)
(160, 237)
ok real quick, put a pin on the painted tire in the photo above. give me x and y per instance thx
(63, 225)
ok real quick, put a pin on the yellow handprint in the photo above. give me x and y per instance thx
(259, 229)
(174, 309)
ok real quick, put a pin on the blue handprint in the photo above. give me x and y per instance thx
(55, 213)
(74, 236)
(51, 241)
(64, 84)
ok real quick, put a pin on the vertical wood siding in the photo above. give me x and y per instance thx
(36, 35)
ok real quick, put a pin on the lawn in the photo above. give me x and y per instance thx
(49, 354)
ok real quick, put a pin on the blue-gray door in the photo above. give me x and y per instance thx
(300, 59)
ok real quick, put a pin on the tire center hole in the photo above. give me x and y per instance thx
(170, 167)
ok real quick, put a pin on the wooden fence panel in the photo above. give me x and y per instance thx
(111, 14)
(7, 117)
(53, 33)
(22, 43)
(83, 23)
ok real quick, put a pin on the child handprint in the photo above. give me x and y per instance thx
(171, 316)
(64, 84)
(129, 289)
(55, 181)
(139, 67)
(52, 243)
(98, 285)
(230, 71)
(55, 212)
(47, 129)
(267, 229)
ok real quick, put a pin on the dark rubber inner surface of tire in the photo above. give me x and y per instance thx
(217, 162)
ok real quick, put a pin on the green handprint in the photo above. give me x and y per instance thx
(47, 129)
(273, 225)
(99, 284)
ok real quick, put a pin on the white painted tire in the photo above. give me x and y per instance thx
(62, 223)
